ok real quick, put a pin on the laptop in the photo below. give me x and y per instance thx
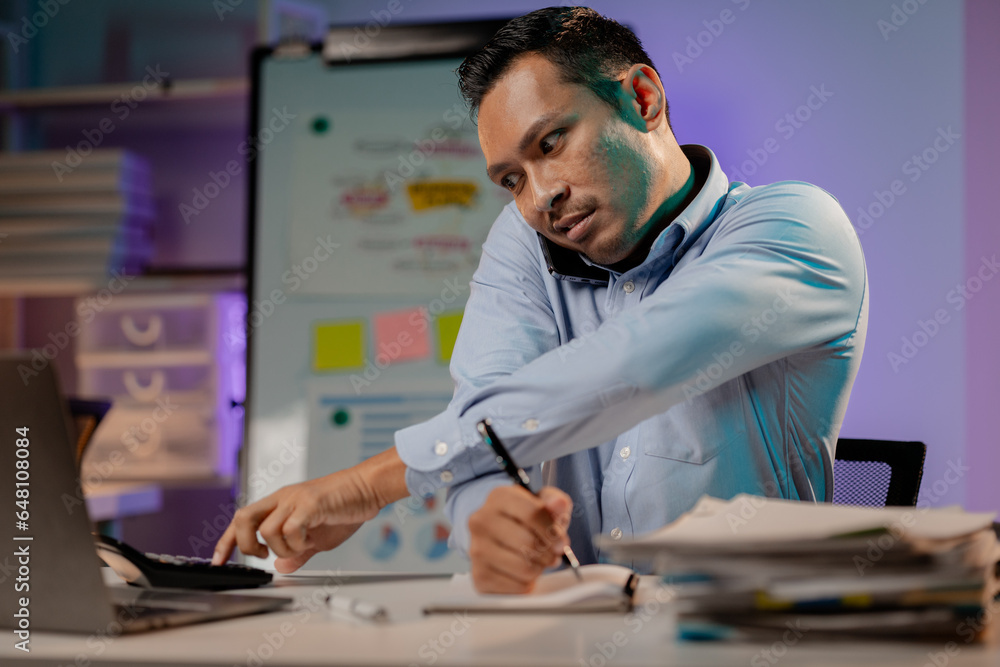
(52, 571)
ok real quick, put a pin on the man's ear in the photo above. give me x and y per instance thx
(644, 96)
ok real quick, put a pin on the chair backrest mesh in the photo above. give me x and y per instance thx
(861, 482)
(877, 473)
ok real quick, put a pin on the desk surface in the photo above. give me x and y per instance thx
(313, 635)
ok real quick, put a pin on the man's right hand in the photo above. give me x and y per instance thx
(515, 536)
(300, 520)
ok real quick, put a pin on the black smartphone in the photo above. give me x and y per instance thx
(565, 263)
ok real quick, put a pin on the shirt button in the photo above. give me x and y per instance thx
(530, 424)
(440, 448)
(446, 476)
(629, 286)
(616, 534)
(625, 452)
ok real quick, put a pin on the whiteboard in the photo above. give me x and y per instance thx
(369, 206)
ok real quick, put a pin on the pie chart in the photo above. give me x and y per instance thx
(382, 543)
(432, 541)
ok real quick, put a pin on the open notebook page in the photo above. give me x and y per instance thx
(602, 589)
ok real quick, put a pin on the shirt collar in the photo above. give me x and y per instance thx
(703, 209)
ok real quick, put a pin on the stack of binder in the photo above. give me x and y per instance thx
(756, 566)
(85, 220)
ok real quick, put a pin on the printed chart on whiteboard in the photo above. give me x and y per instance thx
(346, 427)
(405, 196)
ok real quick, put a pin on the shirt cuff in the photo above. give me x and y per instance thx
(437, 454)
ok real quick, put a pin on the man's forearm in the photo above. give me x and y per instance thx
(385, 476)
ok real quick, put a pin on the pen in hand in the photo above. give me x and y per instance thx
(520, 477)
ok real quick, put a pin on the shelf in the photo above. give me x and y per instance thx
(63, 287)
(105, 94)
(144, 358)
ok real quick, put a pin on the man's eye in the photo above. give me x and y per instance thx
(548, 143)
(509, 182)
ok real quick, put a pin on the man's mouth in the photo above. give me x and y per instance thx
(575, 226)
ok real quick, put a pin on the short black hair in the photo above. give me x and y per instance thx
(589, 49)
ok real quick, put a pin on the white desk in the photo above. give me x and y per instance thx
(313, 635)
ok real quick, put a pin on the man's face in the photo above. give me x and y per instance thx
(580, 174)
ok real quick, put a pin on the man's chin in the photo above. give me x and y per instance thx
(604, 256)
(594, 251)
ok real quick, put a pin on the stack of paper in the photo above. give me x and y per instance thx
(755, 563)
(73, 218)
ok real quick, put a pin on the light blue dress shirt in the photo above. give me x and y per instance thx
(722, 364)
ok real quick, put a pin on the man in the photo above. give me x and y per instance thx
(650, 330)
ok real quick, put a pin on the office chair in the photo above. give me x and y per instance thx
(86, 415)
(877, 473)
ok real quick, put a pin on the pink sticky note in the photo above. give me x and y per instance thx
(401, 335)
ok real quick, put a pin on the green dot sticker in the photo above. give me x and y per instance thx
(340, 417)
(320, 125)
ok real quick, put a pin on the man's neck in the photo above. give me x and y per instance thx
(664, 215)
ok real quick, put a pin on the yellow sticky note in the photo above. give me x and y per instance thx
(429, 194)
(338, 345)
(446, 327)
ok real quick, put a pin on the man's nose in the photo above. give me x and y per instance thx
(548, 192)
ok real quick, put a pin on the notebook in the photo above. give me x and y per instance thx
(58, 584)
(603, 588)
